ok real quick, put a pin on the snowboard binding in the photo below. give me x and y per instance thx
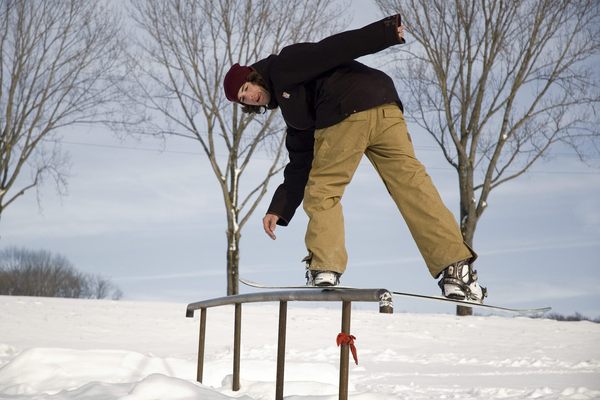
(459, 282)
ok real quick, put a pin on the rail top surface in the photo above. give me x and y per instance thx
(383, 296)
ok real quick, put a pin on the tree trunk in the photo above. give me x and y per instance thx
(468, 222)
(463, 311)
(233, 262)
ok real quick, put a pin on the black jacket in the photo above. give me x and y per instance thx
(317, 85)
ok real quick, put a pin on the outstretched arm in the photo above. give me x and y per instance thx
(304, 61)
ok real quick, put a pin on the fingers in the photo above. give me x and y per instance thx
(401, 32)
(269, 225)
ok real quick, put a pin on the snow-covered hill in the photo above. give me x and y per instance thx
(59, 349)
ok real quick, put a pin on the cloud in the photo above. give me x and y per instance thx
(105, 197)
(532, 291)
(541, 247)
(386, 262)
(181, 275)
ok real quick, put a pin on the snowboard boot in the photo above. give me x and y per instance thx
(459, 282)
(322, 278)
(318, 277)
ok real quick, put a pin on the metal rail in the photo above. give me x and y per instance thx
(346, 296)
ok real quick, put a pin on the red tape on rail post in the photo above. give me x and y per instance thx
(344, 338)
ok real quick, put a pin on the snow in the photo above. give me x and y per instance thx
(64, 349)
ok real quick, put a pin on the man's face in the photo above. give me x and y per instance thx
(252, 94)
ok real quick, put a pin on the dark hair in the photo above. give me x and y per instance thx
(257, 79)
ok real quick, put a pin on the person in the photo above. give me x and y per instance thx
(337, 109)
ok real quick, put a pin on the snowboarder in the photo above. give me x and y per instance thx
(337, 109)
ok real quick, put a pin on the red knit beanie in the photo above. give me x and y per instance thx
(234, 79)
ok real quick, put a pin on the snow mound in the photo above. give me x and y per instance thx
(48, 370)
(159, 387)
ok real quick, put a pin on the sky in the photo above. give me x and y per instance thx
(149, 216)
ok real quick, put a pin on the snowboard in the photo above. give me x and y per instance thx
(524, 311)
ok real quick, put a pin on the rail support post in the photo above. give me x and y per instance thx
(281, 350)
(201, 342)
(344, 351)
(237, 336)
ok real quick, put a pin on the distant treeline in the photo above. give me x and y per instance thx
(559, 317)
(574, 317)
(25, 272)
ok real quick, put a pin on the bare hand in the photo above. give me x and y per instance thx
(269, 224)
(400, 30)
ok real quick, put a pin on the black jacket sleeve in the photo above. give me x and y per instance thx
(303, 62)
(290, 193)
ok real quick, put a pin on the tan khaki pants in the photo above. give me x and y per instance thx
(381, 134)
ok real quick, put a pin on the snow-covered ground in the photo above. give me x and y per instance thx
(59, 349)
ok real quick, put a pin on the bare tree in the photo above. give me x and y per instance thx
(26, 272)
(497, 83)
(99, 287)
(186, 49)
(58, 67)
